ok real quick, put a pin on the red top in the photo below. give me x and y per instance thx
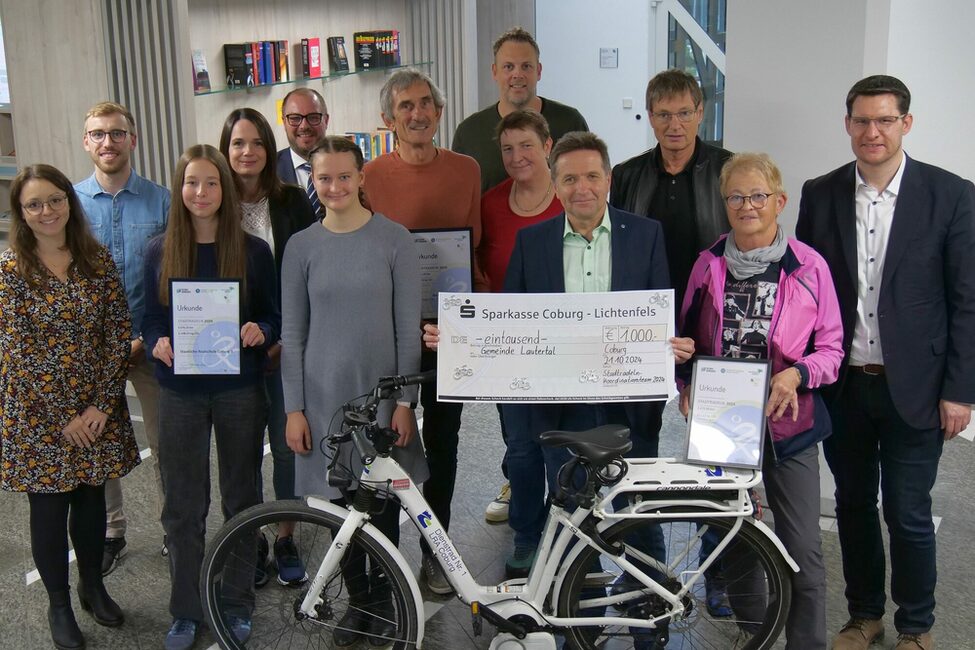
(499, 225)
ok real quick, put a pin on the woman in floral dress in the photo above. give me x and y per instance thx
(64, 349)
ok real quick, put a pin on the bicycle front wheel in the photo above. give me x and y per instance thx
(740, 603)
(367, 600)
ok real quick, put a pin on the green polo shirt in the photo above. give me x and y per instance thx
(588, 265)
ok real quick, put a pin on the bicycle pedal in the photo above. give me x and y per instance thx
(476, 621)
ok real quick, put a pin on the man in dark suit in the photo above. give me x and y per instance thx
(897, 234)
(591, 247)
(305, 118)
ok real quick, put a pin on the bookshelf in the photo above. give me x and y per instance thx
(352, 97)
(294, 82)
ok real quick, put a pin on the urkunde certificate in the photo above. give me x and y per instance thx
(206, 326)
(726, 423)
(556, 347)
(446, 264)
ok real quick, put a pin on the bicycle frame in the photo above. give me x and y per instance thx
(682, 489)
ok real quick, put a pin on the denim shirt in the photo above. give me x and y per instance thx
(124, 224)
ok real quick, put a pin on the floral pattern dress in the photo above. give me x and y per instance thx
(63, 348)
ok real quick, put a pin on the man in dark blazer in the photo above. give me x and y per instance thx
(305, 118)
(897, 234)
(591, 247)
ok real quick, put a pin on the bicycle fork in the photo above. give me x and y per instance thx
(329, 566)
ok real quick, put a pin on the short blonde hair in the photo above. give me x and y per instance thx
(753, 162)
(102, 109)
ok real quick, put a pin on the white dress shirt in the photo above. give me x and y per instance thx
(874, 218)
(300, 172)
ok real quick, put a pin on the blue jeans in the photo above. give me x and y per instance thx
(185, 419)
(872, 446)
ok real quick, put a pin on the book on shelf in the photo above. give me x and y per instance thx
(284, 70)
(365, 50)
(237, 60)
(201, 75)
(338, 61)
(311, 58)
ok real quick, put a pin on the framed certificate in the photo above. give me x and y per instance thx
(206, 326)
(726, 423)
(556, 347)
(446, 264)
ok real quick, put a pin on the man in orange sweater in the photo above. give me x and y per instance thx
(421, 185)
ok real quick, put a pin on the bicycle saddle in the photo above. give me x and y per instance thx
(598, 446)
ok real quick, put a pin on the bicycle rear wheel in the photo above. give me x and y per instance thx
(369, 591)
(751, 570)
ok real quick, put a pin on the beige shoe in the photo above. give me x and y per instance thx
(922, 641)
(497, 510)
(859, 633)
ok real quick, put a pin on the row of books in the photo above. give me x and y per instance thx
(266, 62)
(254, 64)
(373, 143)
(376, 49)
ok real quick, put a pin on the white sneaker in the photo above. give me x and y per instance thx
(497, 510)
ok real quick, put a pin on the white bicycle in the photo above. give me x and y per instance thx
(593, 583)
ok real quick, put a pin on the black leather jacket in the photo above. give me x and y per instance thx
(635, 181)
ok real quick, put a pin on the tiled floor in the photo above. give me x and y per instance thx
(141, 583)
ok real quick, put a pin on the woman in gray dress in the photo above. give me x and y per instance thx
(350, 296)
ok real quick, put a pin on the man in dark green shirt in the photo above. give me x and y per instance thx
(516, 70)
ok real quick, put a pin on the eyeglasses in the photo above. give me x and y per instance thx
(56, 202)
(884, 123)
(117, 135)
(757, 200)
(313, 119)
(664, 118)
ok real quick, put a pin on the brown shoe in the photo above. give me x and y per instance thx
(922, 641)
(859, 633)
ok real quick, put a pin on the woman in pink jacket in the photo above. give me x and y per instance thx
(759, 294)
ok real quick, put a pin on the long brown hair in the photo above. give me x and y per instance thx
(78, 238)
(269, 181)
(179, 244)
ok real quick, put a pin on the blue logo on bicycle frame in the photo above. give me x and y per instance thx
(424, 518)
(713, 470)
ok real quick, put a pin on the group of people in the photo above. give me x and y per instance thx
(869, 347)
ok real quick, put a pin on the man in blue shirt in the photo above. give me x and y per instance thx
(125, 211)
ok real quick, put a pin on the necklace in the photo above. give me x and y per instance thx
(531, 210)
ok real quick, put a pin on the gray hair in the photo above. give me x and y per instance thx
(403, 79)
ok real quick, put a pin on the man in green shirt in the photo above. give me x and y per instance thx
(516, 70)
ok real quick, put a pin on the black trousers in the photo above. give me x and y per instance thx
(441, 425)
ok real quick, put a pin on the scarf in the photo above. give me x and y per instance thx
(753, 262)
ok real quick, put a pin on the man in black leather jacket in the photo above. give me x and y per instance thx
(675, 182)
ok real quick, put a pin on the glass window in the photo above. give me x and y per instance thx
(686, 55)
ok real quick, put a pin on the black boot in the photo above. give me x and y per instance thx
(382, 626)
(95, 600)
(351, 627)
(64, 628)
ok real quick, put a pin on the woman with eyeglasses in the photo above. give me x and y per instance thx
(272, 211)
(759, 294)
(64, 337)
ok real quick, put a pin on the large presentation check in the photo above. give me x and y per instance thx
(556, 347)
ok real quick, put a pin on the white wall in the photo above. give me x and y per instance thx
(930, 50)
(785, 90)
(569, 34)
